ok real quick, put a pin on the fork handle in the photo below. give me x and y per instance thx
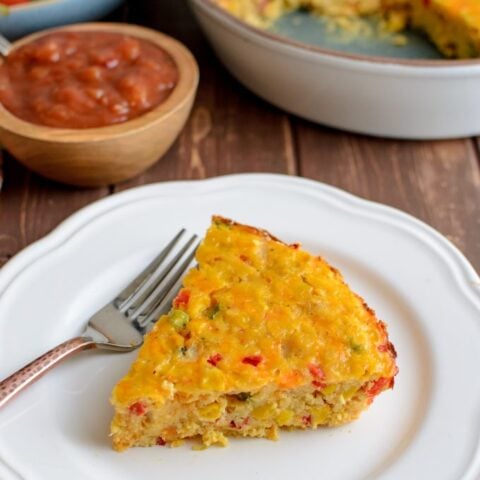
(24, 377)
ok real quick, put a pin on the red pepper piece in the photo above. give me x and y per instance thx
(307, 420)
(253, 360)
(138, 408)
(378, 385)
(316, 371)
(318, 375)
(161, 442)
(182, 299)
(214, 359)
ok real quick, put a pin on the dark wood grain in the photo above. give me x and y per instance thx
(1, 170)
(438, 182)
(30, 207)
(217, 142)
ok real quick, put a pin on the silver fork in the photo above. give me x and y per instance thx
(121, 323)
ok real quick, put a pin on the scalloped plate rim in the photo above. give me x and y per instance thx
(75, 222)
(466, 279)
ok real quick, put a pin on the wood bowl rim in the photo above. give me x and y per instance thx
(178, 99)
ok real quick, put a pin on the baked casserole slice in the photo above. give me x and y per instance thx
(262, 336)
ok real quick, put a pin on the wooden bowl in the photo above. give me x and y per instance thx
(105, 155)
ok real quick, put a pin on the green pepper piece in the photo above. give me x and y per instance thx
(179, 319)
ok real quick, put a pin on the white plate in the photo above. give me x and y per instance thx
(379, 96)
(426, 428)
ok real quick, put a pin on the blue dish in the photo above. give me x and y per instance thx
(30, 17)
(308, 29)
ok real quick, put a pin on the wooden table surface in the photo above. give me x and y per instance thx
(231, 131)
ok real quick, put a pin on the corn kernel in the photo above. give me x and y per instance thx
(320, 414)
(284, 418)
(263, 412)
(396, 21)
(348, 394)
(210, 412)
(329, 389)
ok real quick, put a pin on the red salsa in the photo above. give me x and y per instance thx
(85, 79)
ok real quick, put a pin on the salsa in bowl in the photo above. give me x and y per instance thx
(79, 120)
(78, 79)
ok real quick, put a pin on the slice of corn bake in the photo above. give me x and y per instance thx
(262, 335)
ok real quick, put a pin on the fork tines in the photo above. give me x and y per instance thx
(150, 294)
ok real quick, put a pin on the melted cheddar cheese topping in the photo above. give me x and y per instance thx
(257, 312)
